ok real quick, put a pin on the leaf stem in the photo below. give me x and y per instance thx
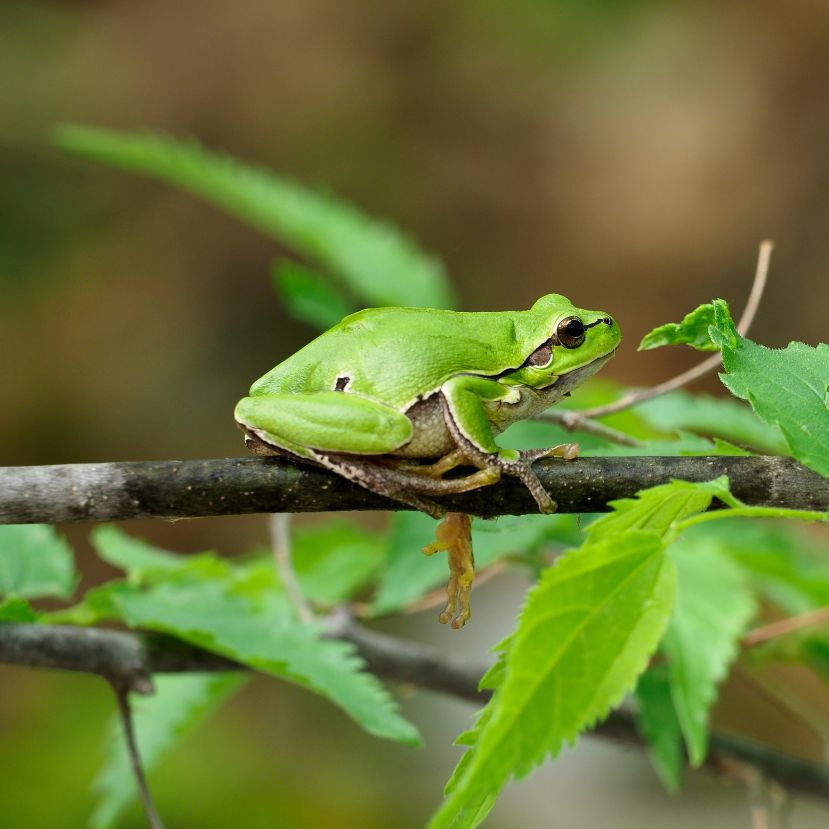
(752, 512)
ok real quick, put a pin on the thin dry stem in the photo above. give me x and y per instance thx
(280, 531)
(575, 420)
(785, 626)
(125, 714)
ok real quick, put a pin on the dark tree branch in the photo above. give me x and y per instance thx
(130, 658)
(188, 489)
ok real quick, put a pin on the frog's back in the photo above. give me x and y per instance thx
(395, 355)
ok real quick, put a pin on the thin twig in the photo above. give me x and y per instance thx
(575, 420)
(786, 626)
(280, 530)
(125, 713)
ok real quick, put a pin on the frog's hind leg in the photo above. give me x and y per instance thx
(454, 534)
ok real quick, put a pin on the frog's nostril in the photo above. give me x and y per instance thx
(607, 321)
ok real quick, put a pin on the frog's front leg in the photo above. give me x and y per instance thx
(467, 420)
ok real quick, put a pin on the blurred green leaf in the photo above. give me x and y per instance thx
(787, 387)
(17, 610)
(714, 416)
(180, 703)
(145, 563)
(35, 561)
(585, 634)
(309, 297)
(379, 264)
(693, 331)
(713, 608)
(659, 726)
(336, 560)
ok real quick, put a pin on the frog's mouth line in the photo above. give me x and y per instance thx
(568, 381)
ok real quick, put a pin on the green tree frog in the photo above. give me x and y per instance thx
(395, 398)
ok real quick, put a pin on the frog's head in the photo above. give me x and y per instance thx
(566, 342)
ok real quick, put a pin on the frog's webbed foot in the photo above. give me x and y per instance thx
(454, 534)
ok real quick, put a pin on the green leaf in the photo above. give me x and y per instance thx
(249, 621)
(785, 562)
(658, 724)
(658, 509)
(787, 387)
(713, 608)
(336, 560)
(180, 703)
(410, 574)
(308, 296)
(693, 331)
(17, 610)
(585, 634)
(145, 563)
(714, 416)
(35, 561)
(376, 261)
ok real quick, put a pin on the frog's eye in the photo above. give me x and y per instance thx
(570, 332)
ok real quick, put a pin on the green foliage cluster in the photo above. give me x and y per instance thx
(646, 605)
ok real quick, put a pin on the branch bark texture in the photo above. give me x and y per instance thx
(128, 660)
(189, 489)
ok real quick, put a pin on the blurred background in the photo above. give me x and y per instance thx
(630, 154)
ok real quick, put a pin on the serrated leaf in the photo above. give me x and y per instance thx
(693, 331)
(718, 417)
(787, 387)
(251, 623)
(308, 296)
(713, 608)
(409, 574)
(585, 634)
(658, 509)
(658, 724)
(179, 704)
(35, 561)
(379, 264)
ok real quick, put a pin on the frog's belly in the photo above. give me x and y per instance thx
(431, 437)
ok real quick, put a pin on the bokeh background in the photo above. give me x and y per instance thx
(628, 153)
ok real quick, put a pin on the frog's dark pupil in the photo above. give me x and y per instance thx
(575, 328)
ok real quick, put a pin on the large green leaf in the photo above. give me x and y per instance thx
(250, 621)
(787, 387)
(377, 262)
(35, 561)
(179, 704)
(585, 634)
(658, 724)
(713, 607)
